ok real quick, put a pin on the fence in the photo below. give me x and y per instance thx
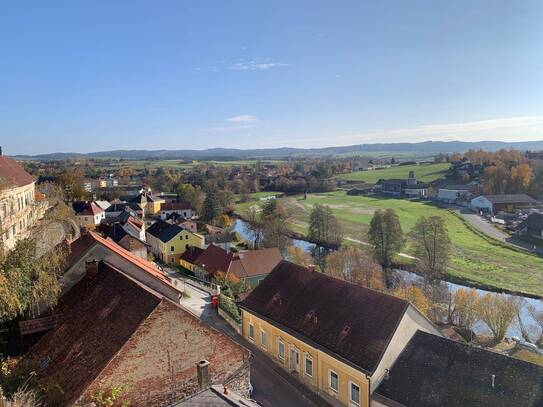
(229, 311)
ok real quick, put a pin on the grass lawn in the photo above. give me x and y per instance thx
(423, 172)
(473, 258)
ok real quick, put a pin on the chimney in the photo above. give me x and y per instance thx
(91, 267)
(202, 368)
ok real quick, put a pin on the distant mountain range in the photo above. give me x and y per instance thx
(426, 147)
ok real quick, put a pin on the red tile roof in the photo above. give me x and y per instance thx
(86, 208)
(14, 172)
(214, 259)
(86, 241)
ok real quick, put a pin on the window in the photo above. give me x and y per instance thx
(172, 249)
(187, 237)
(251, 332)
(333, 380)
(264, 339)
(281, 350)
(308, 365)
(354, 393)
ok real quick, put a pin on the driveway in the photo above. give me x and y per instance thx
(272, 386)
(486, 227)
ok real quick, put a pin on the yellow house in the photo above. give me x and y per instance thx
(168, 241)
(149, 203)
(337, 338)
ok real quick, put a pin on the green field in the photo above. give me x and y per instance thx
(474, 258)
(154, 164)
(423, 172)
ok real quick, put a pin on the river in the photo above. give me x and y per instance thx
(480, 327)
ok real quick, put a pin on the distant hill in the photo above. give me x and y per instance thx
(426, 147)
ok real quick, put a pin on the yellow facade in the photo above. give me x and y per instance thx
(152, 208)
(268, 338)
(170, 251)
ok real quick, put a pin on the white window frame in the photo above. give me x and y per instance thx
(330, 371)
(308, 357)
(351, 384)
(251, 328)
(281, 342)
(263, 335)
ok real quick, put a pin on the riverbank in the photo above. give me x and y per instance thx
(475, 260)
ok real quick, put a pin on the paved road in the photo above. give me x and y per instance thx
(486, 227)
(272, 386)
(482, 225)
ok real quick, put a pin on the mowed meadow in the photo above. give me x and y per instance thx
(423, 172)
(474, 258)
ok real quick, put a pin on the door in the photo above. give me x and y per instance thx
(294, 360)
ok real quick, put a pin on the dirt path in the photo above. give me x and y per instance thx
(350, 239)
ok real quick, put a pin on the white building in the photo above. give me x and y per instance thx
(183, 209)
(88, 214)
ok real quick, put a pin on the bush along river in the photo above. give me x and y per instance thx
(410, 277)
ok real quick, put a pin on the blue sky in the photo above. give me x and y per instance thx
(90, 76)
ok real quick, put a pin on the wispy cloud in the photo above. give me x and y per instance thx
(244, 118)
(240, 65)
(244, 121)
(255, 65)
(505, 129)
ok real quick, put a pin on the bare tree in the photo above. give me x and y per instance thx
(355, 266)
(497, 311)
(432, 246)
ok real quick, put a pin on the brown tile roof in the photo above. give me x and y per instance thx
(214, 259)
(191, 254)
(175, 206)
(99, 314)
(115, 331)
(14, 172)
(252, 263)
(341, 318)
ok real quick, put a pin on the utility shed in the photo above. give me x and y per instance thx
(438, 372)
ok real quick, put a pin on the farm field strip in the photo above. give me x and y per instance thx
(423, 172)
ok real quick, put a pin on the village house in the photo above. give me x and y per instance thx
(532, 226)
(168, 241)
(88, 214)
(183, 209)
(492, 204)
(458, 194)
(92, 247)
(124, 237)
(438, 372)
(335, 337)
(223, 240)
(18, 208)
(113, 331)
(212, 261)
(409, 187)
(116, 209)
(148, 202)
(250, 267)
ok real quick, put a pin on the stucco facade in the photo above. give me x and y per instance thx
(297, 353)
(171, 251)
(18, 213)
